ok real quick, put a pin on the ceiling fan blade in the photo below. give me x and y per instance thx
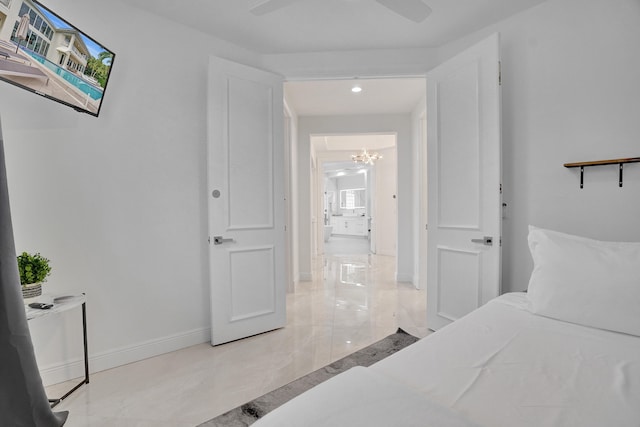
(262, 7)
(414, 10)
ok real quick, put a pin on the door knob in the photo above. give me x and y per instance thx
(486, 240)
(218, 240)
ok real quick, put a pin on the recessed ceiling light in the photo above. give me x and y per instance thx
(356, 89)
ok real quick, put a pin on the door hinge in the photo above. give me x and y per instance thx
(499, 73)
(500, 188)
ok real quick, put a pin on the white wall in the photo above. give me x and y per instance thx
(349, 64)
(570, 93)
(331, 184)
(350, 181)
(118, 203)
(400, 124)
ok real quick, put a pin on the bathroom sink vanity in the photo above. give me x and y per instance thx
(349, 225)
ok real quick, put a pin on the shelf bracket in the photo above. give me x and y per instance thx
(620, 177)
(619, 162)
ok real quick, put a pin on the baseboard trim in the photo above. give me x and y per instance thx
(404, 278)
(416, 281)
(73, 369)
(306, 277)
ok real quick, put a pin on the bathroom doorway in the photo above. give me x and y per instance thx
(355, 200)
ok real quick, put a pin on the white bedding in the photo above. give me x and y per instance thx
(498, 366)
(362, 397)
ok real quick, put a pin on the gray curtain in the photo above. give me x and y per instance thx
(23, 402)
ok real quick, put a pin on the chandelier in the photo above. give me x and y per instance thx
(365, 157)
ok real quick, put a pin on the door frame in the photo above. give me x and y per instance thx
(423, 200)
(288, 195)
(337, 156)
(297, 203)
(420, 224)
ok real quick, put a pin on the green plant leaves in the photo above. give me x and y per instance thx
(33, 268)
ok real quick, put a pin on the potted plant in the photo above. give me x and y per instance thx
(34, 269)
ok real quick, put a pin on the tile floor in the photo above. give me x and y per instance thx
(346, 245)
(353, 302)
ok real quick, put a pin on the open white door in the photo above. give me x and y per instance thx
(464, 183)
(386, 212)
(246, 201)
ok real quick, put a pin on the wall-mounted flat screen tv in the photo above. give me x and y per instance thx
(46, 55)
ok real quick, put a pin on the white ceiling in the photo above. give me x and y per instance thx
(334, 97)
(353, 143)
(346, 145)
(338, 25)
(330, 25)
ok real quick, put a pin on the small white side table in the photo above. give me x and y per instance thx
(61, 304)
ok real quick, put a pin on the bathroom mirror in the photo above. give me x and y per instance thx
(353, 198)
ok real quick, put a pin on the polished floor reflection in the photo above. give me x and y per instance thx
(352, 302)
(337, 245)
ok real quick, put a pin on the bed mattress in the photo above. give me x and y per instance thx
(498, 366)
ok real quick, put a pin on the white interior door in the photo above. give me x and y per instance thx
(464, 183)
(246, 201)
(386, 213)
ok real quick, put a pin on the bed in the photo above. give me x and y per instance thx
(567, 353)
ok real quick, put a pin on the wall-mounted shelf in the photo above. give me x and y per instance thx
(618, 162)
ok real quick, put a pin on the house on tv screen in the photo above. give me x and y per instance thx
(51, 57)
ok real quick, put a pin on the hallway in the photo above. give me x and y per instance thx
(353, 302)
(340, 245)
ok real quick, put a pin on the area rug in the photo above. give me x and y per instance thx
(248, 413)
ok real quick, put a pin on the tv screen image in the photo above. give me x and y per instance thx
(46, 55)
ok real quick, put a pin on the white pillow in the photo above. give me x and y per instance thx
(585, 281)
